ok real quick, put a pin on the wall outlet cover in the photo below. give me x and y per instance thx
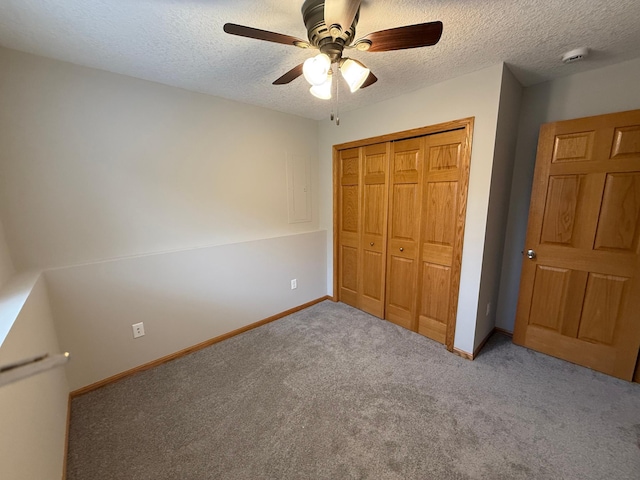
(138, 329)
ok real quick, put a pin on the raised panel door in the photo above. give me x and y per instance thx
(580, 292)
(404, 231)
(349, 252)
(375, 177)
(442, 225)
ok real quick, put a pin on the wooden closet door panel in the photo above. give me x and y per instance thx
(443, 212)
(349, 251)
(375, 177)
(404, 231)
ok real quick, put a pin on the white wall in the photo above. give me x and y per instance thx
(473, 95)
(33, 411)
(606, 90)
(152, 204)
(183, 298)
(11, 297)
(6, 264)
(502, 171)
(96, 165)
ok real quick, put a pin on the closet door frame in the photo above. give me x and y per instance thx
(465, 123)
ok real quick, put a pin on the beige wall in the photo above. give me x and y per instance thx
(6, 264)
(33, 411)
(505, 145)
(150, 203)
(606, 90)
(183, 298)
(96, 165)
(473, 95)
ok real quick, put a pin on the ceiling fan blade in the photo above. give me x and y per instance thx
(340, 12)
(371, 79)
(291, 75)
(410, 36)
(258, 34)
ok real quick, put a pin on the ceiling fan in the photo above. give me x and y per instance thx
(331, 28)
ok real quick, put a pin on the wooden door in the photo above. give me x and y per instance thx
(349, 225)
(363, 199)
(375, 177)
(404, 230)
(444, 201)
(580, 295)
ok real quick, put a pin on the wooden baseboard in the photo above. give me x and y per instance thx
(462, 353)
(194, 348)
(483, 343)
(471, 356)
(503, 331)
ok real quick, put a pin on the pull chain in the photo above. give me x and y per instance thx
(335, 104)
(333, 75)
(337, 97)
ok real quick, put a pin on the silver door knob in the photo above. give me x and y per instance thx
(531, 254)
(371, 244)
(401, 249)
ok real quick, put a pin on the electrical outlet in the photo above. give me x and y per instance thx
(488, 309)
(138, 329)
(294, 284)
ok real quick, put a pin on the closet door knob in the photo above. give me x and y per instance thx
(371, 244)
(401, 249)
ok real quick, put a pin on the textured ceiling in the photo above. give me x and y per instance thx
(181, 42)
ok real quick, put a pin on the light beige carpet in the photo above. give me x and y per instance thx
(333, 393)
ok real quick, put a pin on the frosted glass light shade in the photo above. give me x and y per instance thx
(322, 91)
(354, 73)
(316, 69)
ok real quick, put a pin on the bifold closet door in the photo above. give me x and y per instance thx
(404, 230)
(444, 200)
(349, 226)
(363, 196)
(399, 217)
(375, 177)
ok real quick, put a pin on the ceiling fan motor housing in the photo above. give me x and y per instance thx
(320, 34)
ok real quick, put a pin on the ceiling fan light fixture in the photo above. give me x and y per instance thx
(323, 91)
(354, 73)
(316, 69)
